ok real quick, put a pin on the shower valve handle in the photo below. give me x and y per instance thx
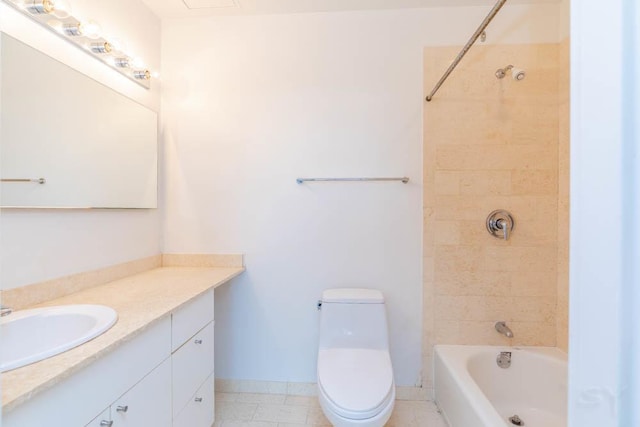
(500, 224)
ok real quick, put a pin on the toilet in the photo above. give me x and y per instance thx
(355, 376)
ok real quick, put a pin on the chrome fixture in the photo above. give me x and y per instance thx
(73, 30)
(198, 399)
(500, 224)
(504, 359)
(121, 62)
(301, 180)
(467, 46)
(105, 423)
(5, 311)
(37, 180)
(58, 8)
(516, 73)
(39, 6)
(501, 72)
(142, 74)
(121, 408)
(100, 47)
(516, 420)
(504, 329)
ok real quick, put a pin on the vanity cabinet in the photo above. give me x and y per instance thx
(163, 377)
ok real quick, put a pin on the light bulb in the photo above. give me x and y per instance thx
(61, 8)
(117, 44)
(91, 29)
(136, 62)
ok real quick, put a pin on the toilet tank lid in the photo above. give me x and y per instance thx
(353, 296)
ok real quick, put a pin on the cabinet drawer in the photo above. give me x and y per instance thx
(101, 420)
(192, 364)
(148, 403)
(188, 320)
(200, 410)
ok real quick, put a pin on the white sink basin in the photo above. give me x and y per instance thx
(28, 336)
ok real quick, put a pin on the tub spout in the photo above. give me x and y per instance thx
(504, 329)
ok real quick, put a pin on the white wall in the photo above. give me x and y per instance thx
(37, 245)
(604, 368)
(251, 103)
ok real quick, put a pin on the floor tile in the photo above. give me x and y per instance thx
(235, 411)
(281, 413)
(316, 417)
(301, 401)
(277, 399)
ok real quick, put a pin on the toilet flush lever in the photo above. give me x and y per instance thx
(500, 224)
(319, 305)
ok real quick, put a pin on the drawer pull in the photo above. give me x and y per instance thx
(198, 341)
(122, 408)
(106, 423)
(198, 399)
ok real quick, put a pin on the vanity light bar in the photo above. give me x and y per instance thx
(56, 16)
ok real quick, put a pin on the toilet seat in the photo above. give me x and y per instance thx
(358, 383)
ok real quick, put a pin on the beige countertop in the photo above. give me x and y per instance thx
(139, 300)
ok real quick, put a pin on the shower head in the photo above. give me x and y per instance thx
(516, 73)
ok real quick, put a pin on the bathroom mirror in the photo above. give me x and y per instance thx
(67, 141)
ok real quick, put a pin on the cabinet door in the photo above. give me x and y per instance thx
(148, 403)
(192, 364)
(199, 412)
(102, 420)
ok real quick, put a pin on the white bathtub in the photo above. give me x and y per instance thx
(473, 391)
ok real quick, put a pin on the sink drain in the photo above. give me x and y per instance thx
(516, 420)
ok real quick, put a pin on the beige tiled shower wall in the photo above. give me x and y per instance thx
(562, 312)
(491, 144)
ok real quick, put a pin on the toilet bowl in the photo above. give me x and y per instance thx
(355, 375)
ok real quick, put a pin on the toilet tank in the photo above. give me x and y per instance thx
(353, 318)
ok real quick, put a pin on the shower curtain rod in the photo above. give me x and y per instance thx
(466, 47)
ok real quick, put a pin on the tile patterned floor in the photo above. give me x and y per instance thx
(277, 410)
